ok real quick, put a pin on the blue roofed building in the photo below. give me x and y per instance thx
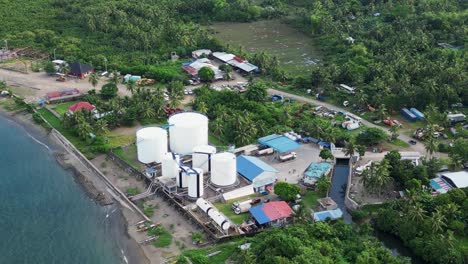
(256, 171)
(279, 143)
(329, 214)
(315, 171)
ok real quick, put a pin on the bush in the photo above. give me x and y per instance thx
(359, 215)
(443, 148)
(458, 227)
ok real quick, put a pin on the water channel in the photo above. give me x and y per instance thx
(337, 193)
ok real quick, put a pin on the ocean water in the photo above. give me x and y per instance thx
(45, 217)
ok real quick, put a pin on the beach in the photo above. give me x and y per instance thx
(117, 218)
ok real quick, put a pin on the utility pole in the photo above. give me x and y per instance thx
(6, 44)
(105, 63)
(54, 55)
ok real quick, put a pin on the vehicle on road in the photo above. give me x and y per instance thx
(346, 103)
(289, 156)
(412, 142)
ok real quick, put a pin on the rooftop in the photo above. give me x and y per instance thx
(250, 167)
(330, 214)
(316, 170)
(268, 212)
(459, 179)
(80, 106)
(279, 143)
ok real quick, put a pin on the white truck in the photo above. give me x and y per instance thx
(241, 207)
(267, 151)
(286, 157)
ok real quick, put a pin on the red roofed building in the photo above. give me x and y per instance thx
(81, 106)
(275, 213)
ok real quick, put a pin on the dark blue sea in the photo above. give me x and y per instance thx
(45, 217)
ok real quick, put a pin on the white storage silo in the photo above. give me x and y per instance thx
(195, 182)
(170, 165)
(201, 157)
(182, 177)
(151, 144)
(213, 213)
(223, 169)
(187, 130)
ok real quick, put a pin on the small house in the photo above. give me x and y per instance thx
(276, 213)
(80, 106)
(196, 54)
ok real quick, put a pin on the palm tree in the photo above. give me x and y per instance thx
(94, 79)
(115, 78)
(438, 221)
(416, 213)
(368, 178)
(431, 145)
(349, 148)
(202, 108)
(218, 127)
(382, 177)
(101, 127)
(394, 130)
(130, 86)
(382, 112)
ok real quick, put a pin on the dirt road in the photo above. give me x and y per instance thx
(35, 85)
(419, 147)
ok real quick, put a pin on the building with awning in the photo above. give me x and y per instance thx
(256, 171)
(279, 143)
(276, 213)
(449, 180)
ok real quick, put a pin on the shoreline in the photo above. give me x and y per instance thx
(95, 188)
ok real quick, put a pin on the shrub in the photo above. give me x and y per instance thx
(359, 215)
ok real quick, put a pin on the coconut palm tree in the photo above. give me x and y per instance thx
(431, 145)
(202, 108)
(130, 86)
(394, 130)
(350, 148)
(101, 127)
(94, 79)
(382, 177)
(416, 213)
(438, 221)
(115, 78)
(382, 112)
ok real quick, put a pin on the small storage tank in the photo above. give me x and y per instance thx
(170, 165)
(195, 182)
(201, 157)
(187, 130)
(213, 213)
(223, 169)
(151, 144)
(182, 177)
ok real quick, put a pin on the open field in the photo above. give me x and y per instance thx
(295, 51)
(63, 107)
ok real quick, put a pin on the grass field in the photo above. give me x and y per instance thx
(310, 199)
(164, 237)
(226, 251)
(63, 107)
(129, 154)
(226, 209)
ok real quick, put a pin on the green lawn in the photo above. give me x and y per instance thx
(227, 250)
(226, 209)
(63, 107)
(310, 199)
(52, 119)
(216, 142)
(129, 154)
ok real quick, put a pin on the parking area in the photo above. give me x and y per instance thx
(292, 171)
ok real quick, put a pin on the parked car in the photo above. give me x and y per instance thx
(345, 103)
(264, 192)
(412, 142)
(256, 201)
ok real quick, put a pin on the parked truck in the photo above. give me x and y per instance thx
(241, 207)
(286, 157)
(454, 118)
(267, 151)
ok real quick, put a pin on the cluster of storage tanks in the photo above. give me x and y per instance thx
(188, 134)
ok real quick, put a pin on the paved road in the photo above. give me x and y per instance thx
(419, 147)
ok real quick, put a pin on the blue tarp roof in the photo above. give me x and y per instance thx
(250, 167)
(279, 143)
(316, 170)
(332, 214)
(259, 214)
(324, 144)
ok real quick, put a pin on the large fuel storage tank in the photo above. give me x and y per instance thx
(201, 157)
(213, 213)
(151, 144)
(223, 169)
(170, 165)
(187, 130)
(195, 182)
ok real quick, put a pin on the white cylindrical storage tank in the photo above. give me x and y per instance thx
(223, 169)
(182, 177)
(201, 157)
(151, 144)
(170, 165)
(219, 219)
(187, 130)
(204, 205)
(195, 182)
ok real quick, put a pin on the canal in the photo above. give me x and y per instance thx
(337, 193)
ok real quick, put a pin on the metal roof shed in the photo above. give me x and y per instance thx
(458, 179)
(256, 171)
(271, 212)
(279, 143)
